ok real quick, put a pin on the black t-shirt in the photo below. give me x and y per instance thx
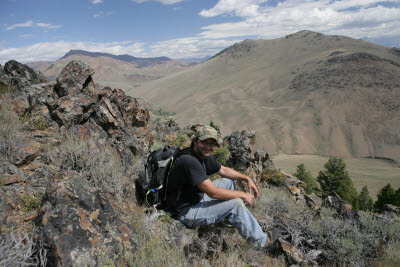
(187, 173)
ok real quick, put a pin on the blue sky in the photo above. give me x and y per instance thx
(32, 30)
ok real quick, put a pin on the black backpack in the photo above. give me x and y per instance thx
(151, 186)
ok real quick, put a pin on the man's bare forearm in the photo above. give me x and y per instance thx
(232, 174)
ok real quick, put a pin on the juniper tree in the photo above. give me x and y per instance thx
(386, 195)
(304, 175)
(365, 201)
(335, 178)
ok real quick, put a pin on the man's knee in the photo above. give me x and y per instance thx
(225, 183)
(237, 202)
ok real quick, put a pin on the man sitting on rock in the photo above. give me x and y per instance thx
(194, 200)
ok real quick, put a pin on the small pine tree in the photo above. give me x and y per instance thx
(365, 201)
(305, 176)
(397, 198)
(386, 195)
(335, 178)
(215, 126)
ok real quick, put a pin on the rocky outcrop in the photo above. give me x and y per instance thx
(79, 223)
(20, 75)
(74, 78)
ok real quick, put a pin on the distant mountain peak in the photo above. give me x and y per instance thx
(140, 62)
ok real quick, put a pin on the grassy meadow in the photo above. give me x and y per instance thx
(375, 173)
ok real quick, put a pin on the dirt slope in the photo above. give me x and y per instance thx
(303, 93)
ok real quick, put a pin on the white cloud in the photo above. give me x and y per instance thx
(29, 23)
(47, 25)
(241, 8)
(165, 2)
(54, 50)
(102, 14)
(358, 18)
(24, 35)
(189, 47)
(94, 2)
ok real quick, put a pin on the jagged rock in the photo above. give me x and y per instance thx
(293, 255)
(313, 201)
(264, 160)
(81, 227)
(74, 78)
(12, 179)
(19, 104)
(24, 153)
(133, 114)
(21, 75)
(240, 145)
(391, 209)
(344, 209)
(72, 109)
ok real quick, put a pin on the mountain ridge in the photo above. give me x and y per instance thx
(141, 62)
(351, 112)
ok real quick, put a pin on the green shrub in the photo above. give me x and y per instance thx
(272, 176)
(311, 185)
(221, 154)
(215, 126)
(31, 201)
(178, 139)
(38, 124)
(365, 201)
(4, 88)
(386, 195)
(335, 178)
(161, 112)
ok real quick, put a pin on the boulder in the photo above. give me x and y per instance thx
(343, 209)
(24, 153)
(81, 227)
(74, 78)
(293, 255)
(21, 75)
(72, 109)
(391, 210)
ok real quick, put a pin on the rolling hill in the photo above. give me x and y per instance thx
(304, 93)
(122, 71)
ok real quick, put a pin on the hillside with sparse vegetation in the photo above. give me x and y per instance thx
(307, 93)
(70, 152)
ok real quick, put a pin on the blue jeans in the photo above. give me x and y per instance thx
(210, 211)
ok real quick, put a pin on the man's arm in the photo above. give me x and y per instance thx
(231, 173)
(224, 194)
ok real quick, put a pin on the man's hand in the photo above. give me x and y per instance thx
(248, 198)
(252, 187)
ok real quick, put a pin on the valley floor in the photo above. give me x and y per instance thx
(375, 173)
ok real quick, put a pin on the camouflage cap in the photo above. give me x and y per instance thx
(206, 132)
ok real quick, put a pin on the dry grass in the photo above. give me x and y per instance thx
(99, 164)
(21, 250)
(374, 173)
(10, 128)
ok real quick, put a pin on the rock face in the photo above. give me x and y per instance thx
(75, 77)
(81, 226)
